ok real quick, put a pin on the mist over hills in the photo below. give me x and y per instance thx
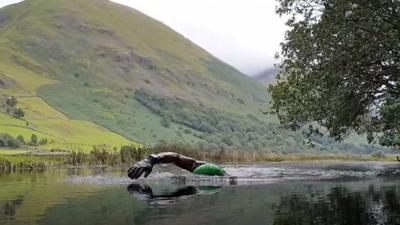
(267, 76)
(95, 72)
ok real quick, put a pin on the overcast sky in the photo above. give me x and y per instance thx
(243, 33)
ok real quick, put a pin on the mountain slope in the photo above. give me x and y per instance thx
(21, 77)
(98, 54)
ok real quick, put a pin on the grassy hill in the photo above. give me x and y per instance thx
(95, 72)
(21, 77)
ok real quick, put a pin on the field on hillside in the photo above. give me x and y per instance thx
(62, 134)
(23, 77)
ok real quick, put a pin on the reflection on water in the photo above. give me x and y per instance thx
(145, 192)
(340, 206)
(370, 194)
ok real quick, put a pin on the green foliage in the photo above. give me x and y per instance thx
(19, 113)
(102, 155)
(107, 157)
(390, 123)
(34, 139)
(8, 141)
(226, 131)
(340, 67)
(13, 163)
(43, 141)
(20, 139)
(127, 153)
(11, 101)
(165, 122)
(131, 153)
(9, 105)
(77, 158)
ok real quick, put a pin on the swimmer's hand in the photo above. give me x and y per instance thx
(145, 166)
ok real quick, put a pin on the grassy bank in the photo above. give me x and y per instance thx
(14, 151)
(259, 156)
(25, 162)
(43, 160)
(128, 154)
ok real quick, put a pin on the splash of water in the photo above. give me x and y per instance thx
(254, 174)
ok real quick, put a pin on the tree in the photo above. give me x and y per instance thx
(21, 139)
(7, 140)
(19, 113)
(34, 139)
(11, 101)
(341, 67)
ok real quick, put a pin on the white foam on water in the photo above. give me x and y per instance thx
(253, 174)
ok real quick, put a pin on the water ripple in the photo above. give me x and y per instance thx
(256, 174)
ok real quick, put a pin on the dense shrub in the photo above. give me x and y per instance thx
(18, 113)
(100, 155)
(131, 153)
(11, 101)
(8, 141)
(42, 141)
(34, 139)
(9, 105)
(21, 139)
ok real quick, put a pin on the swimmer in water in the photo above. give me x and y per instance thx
(145, 166)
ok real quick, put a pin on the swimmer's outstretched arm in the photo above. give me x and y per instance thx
(146, 165)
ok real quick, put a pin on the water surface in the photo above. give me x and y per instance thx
(275, 193)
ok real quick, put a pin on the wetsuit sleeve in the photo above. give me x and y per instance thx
(181, 161)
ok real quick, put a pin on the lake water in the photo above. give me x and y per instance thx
(275, 193)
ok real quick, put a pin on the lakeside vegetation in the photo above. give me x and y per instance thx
(126, 155)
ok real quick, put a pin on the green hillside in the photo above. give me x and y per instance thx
(95, 72)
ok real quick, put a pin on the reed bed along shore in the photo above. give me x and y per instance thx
(101, 156)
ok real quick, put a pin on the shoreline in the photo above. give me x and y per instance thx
(54, 160)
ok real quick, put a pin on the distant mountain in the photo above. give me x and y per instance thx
(267, 76)
(92, 72)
